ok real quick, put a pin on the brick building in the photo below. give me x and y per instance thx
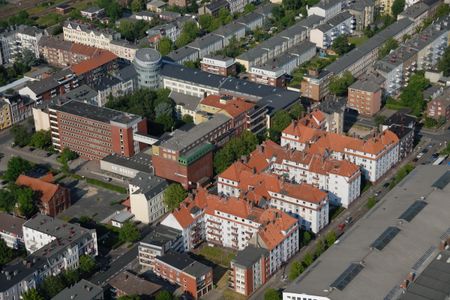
(53, 198)
(220, 65)
(94, 132)
(365, 95)
(193, 277)
(91, 70)
(440, 106)
(127, 284)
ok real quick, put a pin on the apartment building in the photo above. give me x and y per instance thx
(364, 13)
(11, 230)
(156, 6)
(146, 194)
(365, 95)
(207, 44)
(158, 242)
(126, 284)
(18, 40)
(93, 69)
(303, 201)
(249, 270)
(83, 289)
(54, 246)
(53, 198)
(440, 106)
(325, 9)
(404, 126)
(5, 115)
(251, 21)
(357, 61)
(94, 132)
(213, 8)
(44, 90)
(417, 13)
(194, 278)
(376, 155)
(235, 222)
(186, 157)
(16, 108)
(324, 35)
(219, 65)
(229, 32)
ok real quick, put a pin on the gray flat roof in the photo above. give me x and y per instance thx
(11, 224)
(415, 10)
(250, 18)
(188, 101)
(141, 161)
(93, 112)
(408, 251)
(205, 41)
(149, 185)
(182, 53)
(249, 256)
(82, 290)
(160, 235)
(229, 29)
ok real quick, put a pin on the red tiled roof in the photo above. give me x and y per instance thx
(234, 107)
(93, 63)
(47, 189)
(277, 225)
(85, 50)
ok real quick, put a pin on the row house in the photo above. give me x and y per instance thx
(324, 34)
(234, 223)
(376, 155)
(5, 115)
(55, 246)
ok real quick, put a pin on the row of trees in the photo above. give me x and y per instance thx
(298, 267)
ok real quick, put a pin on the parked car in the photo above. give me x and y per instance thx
(348, 220)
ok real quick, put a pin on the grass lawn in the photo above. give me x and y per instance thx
(231, 295)
(106, 185)
(217, 255)
(49, 19)
(358, 40)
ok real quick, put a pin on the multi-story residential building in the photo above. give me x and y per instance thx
(365, 95)
(332, 112)
(94, 132)
(220, 65)
(357, 61)
(64, 53)
(194, 278)
(187, 156)
(5, 115)
(126, 283)
(440, 106)
(251, 21)
(91, 70)
(169, 30)
(214, 7)
(249, 270)
(179, 3)
(229, 32)
(19, 108)
(384, 6)
(147, 197)
(93, 12)
(46, 89)
(237, 6)
(158, 242)
(157, 6)
(83, 289)
(417, 13)
(303, 201)
(18, 40)
(326, 9)
(376, 155)
(55, 246)
(54, 198)
(364, 13)
(324, 34)
(11, 230)
(207, 44)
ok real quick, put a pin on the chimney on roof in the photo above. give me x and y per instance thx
(244, 159)
(254, 170)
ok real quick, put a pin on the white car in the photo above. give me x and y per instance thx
(419, 155)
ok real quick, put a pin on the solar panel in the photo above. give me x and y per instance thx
(442, 182)
(384, 239)
(413, 210)
(347, 276)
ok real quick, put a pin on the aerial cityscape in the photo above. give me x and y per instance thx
(225, 149)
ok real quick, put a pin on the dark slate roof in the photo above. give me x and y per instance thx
(176, 260)
(161, 235)
(49, 83)
(217, 5)
(141, 161)
(188, 101)
(250, 18)
(149, 185)
(249, 256)
(127, 73)
(82, 290)
(11, 224)
(400, 131)
(400, 118)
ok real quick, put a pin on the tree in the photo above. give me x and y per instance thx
(308, 259)
(6, 253)
(320, 248)
(397, 7)
(430, 122)
(272, 294)
(444, 62)
(133, 30)
(7, 200)
(306, 237)
(164, 295)
(412, 94)
(248, 8)
(41, 139)
(379, 120)
(187, 119)
(330, 238)
(292, 4)
(71, 277)
(295, 270)
(137, 5)
(68, 155)
(52, 285)
(128, 297)
(21, 135)
(87, 265)
(112, 9)
(296, 111)
(174, 195)
(442, 11)
(32, 294)
(189, 32)
(446, 150)
(206, 21)
(129, 233)
(280, 121)
(339, 85)
(225, 16)
(341, 45)
(389, 45)
(25, 200)
(165, 45)
(16, 166)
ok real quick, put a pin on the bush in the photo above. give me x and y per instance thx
(371, 202)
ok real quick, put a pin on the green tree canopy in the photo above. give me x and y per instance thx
(133, 30)
(21, 135)
(444, 62)
(41, 139)
(137, 5)
(32, 294)
(341, 45)
(128, 297)
(112, 8)
(129, 233)
(189, 32)
(330, 238)
(295, 270)
(248, 8)
(16, 166)
(6, 253)
(187, 119)
(397, 7)
(165, 45)
(389, 45)
(173, 195)
(7, 200)
(412, 94)
(280, 121)
(26, 201)
(52, 285)
(272, 294)
(339, 85)
(296, 111)
(87, 265)
(164, 295)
